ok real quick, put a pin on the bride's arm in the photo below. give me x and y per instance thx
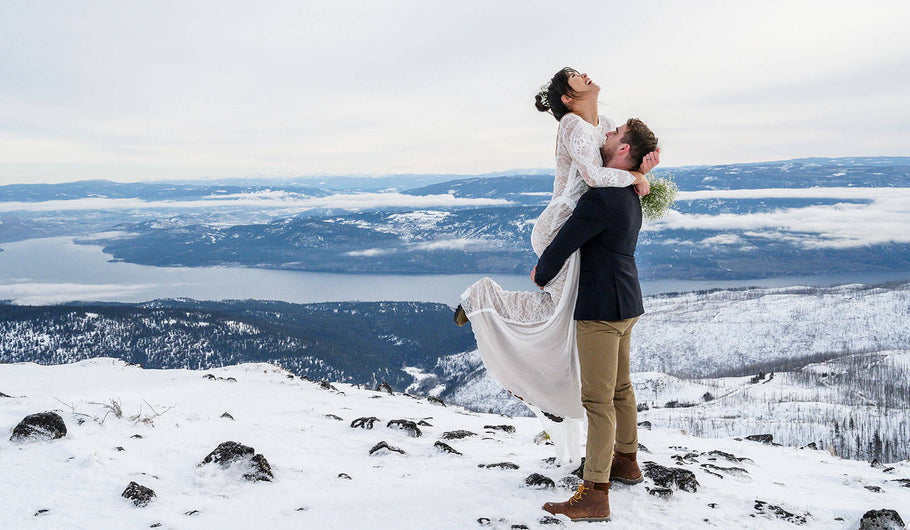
(586, 155)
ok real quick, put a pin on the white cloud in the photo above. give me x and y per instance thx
(884, 220)
(457, 244)
(259, 200)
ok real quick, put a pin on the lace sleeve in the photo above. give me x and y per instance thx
(581, 147)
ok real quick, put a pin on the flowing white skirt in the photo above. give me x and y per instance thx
(535, 360)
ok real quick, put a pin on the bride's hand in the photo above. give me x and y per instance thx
(642, 184)
(534, 279)
(650, 161)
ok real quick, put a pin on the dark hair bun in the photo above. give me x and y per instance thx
(541, 105)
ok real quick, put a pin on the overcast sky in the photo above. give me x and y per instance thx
(127, 90)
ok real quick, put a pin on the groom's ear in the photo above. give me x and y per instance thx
(623, 148)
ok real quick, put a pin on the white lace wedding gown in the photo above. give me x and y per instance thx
(527, 339)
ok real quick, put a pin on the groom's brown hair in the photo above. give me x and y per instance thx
(641, 141)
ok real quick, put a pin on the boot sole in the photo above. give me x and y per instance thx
(630, 482)
(590, 519)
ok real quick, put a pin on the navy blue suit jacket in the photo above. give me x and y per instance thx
(605, 226)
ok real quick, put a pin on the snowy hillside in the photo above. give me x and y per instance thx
(323, 476)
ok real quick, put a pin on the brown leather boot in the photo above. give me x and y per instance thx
(625, 468)
(590, 503)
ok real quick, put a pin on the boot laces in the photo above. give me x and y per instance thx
(582, 491)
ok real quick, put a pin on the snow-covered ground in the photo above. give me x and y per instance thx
(79, 479)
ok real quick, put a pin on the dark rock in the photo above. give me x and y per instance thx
(688, 458)
(385, 387)
(580, 470)
(484, 521)
(155, 525)
(536, 480)
(119, 448)
(42, 511)
(334, 417)
(876, 464)
(519, 527)
(763, 438)
(765, 508)
(424, 423)
(208, 376)
(904, 482)
(643, 448)
(301, 509)
(553, 417)
(41, 426)
(325, 385)
(645, 425)
(549, 519)
(227, 416)
(231, 380)
(228, 453)
(364, 423)
(811, 445)
(714, 455)
(881, 520)
(549, 461)
(344, 476)
(384, 448)
(712, 505)
(504, 428)
(457, 435)
(446, 448)
(436, 401)
(501, 465)
(192, 512)
(136, 436)
(660, 492)
(139, 494)
(406, 425)
(260, 469)
(874, 489)
(708, 471)
(732, 470)
(667, 477)
(888, 469)
(2, 395)
(570, 482)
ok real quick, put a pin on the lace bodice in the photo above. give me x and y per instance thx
(578, 161)
(578, 169)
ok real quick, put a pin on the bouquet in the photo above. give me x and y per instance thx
(663, 193)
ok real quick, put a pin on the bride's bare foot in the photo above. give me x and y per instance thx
(460, 317)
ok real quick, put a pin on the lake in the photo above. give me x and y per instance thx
(56, 270)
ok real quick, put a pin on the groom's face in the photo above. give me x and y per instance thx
(612, 145)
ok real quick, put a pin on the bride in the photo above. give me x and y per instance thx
(527, 339)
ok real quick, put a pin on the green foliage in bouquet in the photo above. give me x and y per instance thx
(663, 194)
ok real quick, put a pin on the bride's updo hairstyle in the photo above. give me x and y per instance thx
(549, 99)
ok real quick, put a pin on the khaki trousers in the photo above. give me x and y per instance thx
(606, 393)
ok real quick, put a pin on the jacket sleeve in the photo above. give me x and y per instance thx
(586, 221)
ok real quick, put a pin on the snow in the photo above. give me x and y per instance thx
(79, 478)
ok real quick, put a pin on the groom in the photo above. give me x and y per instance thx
(605, 226)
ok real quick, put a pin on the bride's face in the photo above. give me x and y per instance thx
(582, 84)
